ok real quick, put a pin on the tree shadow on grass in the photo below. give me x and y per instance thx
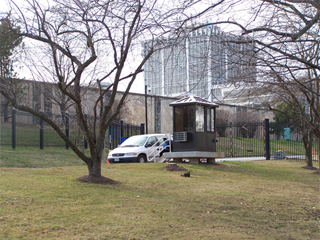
(317, 172)
(97, 180)
(312, 168)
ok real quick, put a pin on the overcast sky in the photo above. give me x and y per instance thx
(138, 85)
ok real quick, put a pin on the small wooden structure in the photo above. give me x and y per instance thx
(194, 130)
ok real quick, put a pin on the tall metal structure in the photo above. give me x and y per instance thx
(197, 64)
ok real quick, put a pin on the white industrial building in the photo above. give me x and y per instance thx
(205, 64)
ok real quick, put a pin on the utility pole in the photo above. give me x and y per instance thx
(146, 106)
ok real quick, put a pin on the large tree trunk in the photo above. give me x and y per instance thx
(94, 167)
(94, 164)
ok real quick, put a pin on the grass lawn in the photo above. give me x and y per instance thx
(33, 157)
(234, 200)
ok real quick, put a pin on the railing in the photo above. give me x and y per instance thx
(23, 129)
(158, 148)
(262, 139)
(235, 140)
(120, 130)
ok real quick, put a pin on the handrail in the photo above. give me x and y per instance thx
(157, 148)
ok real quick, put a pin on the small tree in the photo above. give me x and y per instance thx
(223, 117)
(9, 41)
(97, 41)
(282, 115)
(294, 108)
(246, 121)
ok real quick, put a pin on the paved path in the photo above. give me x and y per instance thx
(243, 159)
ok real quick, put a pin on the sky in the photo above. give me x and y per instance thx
(23, 69)
(139, 83)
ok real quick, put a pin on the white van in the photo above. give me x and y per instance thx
(136, 149)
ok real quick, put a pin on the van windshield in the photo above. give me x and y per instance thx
(134, 141)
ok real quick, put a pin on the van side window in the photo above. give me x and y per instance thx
(151, 141)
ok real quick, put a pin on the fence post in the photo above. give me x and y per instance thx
(41, 134)
(85, 143)
(264, 140)
(121, 128)
(113, 130)
(13, 128)
(109, 137)
(267, 138)
(142, 128)
(67, 128)
(231, 153)
(128, 130)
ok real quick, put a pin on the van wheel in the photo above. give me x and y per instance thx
(142, 159)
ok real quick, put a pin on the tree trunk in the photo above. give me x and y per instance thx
(94, 164)
(309, 155)
(94, 167)
(319, 152)
(307, 142)
(308, 149)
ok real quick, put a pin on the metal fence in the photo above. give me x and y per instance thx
(23, 129)
(256, 139)
(241, 140)
(118, 131)
(286, 142)
(263, 139)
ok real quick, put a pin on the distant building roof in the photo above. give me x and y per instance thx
(191, 100)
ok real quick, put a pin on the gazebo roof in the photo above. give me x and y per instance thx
(192, 100)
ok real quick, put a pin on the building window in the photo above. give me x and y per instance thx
(210, 120)
(183, 119)
(200, 119)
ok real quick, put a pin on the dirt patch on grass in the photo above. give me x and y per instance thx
(97, 180)
(317, 172)
(309, 168)
(217, 165)
(174, 167)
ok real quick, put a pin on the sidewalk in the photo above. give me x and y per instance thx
(242, 159)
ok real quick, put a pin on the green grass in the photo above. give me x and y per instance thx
(33, 157)
(29, 135)
(237, 200)
(241, 146)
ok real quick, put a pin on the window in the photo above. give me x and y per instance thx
(151, 141)
(200, 119)
(210, 120)
(183, 119)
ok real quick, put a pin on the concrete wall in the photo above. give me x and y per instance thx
(160, 114)
(135, 112)
(36, 95)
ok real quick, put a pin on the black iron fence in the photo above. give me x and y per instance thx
(23, 129)
(241, 140)
(263, 139)
(118, 131)
(255, 139)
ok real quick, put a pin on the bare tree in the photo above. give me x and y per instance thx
(298, 99)
(93, 41)
(285, 35)
(247, 122)
(223, 117)
(290, 51)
